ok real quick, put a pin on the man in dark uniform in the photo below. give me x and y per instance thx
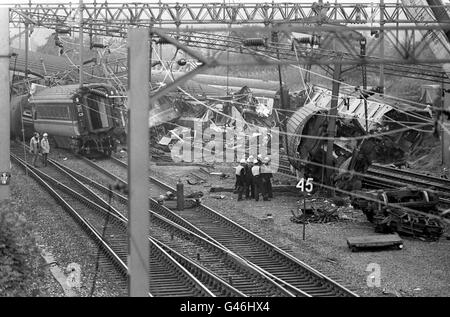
(266, 175)
(240, 179)
(249, 185)
(257, 181)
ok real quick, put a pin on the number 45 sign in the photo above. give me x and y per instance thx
(305, 186)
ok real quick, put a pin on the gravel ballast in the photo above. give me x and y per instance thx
(58, 234)
(420, 269)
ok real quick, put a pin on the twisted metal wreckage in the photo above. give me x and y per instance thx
(390, 133)
(392, 129)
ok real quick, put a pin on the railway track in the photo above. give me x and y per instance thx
(188, 246)
(109, 231)
(294, 275)
(391, 178)
(382, 177)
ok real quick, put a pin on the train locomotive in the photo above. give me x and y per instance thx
(88, 120)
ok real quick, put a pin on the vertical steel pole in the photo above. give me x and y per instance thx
(138, 92)
(396, 24)
(304, 215)
(4, 102)
(364, 79)
(180, 195)
(445, 132)
(381, 84)
(26, 49)
(332, 122)
(81, 44)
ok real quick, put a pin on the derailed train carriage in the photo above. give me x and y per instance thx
(355, 149)
(87, 120)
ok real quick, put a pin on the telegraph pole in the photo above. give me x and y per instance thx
(5, 167)
(138, 158)
(332, 122)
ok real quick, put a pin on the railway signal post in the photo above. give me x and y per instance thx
(5, 167)
(138, 158)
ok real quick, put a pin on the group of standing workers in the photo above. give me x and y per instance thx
(253, 177)
(39, 146)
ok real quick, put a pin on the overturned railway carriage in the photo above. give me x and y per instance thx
(86, 120)
(306, 127)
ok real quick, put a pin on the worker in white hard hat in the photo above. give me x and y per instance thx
(259, 158)
(240, 178)
(45, 148)
(266, 175)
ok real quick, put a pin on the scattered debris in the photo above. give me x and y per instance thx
(206, 171)
(391, 293)
(196, 181)
(268, 217)
(403, 219)
(190, 201)
(217, 196)
(220, 189)
(338, 201)
(275, 189)
(334, 261)
(318, 215)
(195, 195)
(376, 241)
(222, 175)
(170, 163)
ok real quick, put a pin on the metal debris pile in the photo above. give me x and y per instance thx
(169, 200)
(312, 214)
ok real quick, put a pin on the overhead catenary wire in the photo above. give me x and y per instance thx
(344, 116)
(293, 134)
(352, 86)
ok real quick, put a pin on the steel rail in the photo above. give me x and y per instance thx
(269, 285)
(263, 254)
(167, 274)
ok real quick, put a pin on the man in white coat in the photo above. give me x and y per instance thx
(45, 148)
